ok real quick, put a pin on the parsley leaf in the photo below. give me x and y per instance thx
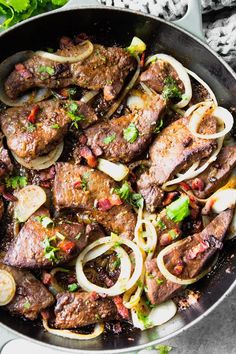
(16, 182)
(31, 127)
(109, 139)
(158, 127)
(46, 69)
(171, 89)
(163, 349)
(73, 287)
(179, 209)
(55, 126)
(131, 133)
(74, 115)
(49, 250)
(144, 319)
(27, 305)
(44, 220)
(126, 194)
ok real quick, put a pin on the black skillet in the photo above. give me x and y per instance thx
(114, 26)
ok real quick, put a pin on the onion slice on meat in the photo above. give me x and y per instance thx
(171, 277)
(126, 280)
(117, 171)
(182, 74)
(7, 287)
(98, 330)
(150, 235)
(221, 200)
(41, 162)
(68, 59)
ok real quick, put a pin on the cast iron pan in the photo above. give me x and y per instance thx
(113, 26)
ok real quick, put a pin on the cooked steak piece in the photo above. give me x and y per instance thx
(188, 259)
(118, 148)
(1, 208)
(81, 309)
(31, 248)
(80, 187)
(152, 194)
(5, 161)
(105, 68)
(216, 174)
(34, 130)
(156, 74)
(31, 295)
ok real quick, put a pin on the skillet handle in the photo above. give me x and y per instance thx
(192, 20)
(76, 3)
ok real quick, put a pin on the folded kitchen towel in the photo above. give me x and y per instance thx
(219, 20)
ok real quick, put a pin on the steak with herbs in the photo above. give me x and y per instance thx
(32, 247)
(80, 187)
(188, 259)
(31, 295)
(105, 68)
(108, 139)
(82, 309)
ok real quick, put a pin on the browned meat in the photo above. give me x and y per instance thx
(216, 174)
(156, 74)
(194, 255)
(199, 94)
(31, 295)
(28, 248)
(105, 68)
(119, 149)
(1, 208)
(81, 309)
(5, 161)
(80, 187)
(52, 120)
(152, 194)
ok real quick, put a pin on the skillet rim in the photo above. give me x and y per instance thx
(231, 287)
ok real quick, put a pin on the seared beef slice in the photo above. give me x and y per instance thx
(105, 68)
(81, 309)
(97, 188)
(158, 288)
(52, 120)
(28, 248)
(120, 149)
(31, 295)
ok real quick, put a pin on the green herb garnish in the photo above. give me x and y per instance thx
(16, 182)
(116, 264)
(163, 349)
(173, 234)
(131, 133)
(46, 69)
(158, 126)
(171, 89)
(77, 237)
(31, 127)
(144, 319)
(109, 139)
(126, 194)
(55, 126)
(159, 281)
(73, 287)
(49, 250)
(159, 223)
(27, 305)
(44, 220)
(84, 182)
(179, 209)
(73, 114)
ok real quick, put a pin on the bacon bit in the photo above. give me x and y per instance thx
(142, 60)
(46, 278)
(21, 69)
(77, 184)
(9, 197)
(197, 184)
(104, 204)
(115, 200)
(86, 153)
(122, 310)
(94, 296)
(67, 246)
(185, 186)
(169, 198)
(165, 239)
(2, 188)
(194, 251)
(32, 116)
(178, 269)
(83, 139)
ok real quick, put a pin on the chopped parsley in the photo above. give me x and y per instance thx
(149, 304)
(173, 234)
(27, 305)
(16, 182)
(73, 287)
(46, 69)
(171, 89)
(84, 182)
(55, 126)
(144, 319)
(73, 114)
(77, 237)
(31, 127)
(126, 194)
(109, 139)
(116, 264)
(163, 349)
(179, 209)
(131, 133)
(160, 224)
(158, 126)
(49, 250)
(44, 220)
(160, 281)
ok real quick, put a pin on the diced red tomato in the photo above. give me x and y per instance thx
(122, 310)
(67, 246)
(86, 153)
(32, 116)
(77, 184)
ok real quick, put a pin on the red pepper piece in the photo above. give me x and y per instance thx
(32, 116)
(67, 246)
(86, 153)
(122, 310)
(94, 295)
(165, 239)
(194, 251)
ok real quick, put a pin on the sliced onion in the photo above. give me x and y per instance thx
(41, 162)
(232, 228)
(88, 96)
(171, 277)
(98, 330)
(162, 313)
(147, 89)
(68, 59)
(130, 85)
(117, 171)
(137, 46)
(7, 287)
(135, 102)
(221, 200)
(151, 236)
(29, 199)
(125, 280)
(182, 74)
(204, 84)
(220, 113)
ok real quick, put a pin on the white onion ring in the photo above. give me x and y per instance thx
(99, 329)
(132, 297)
(63, 59)
(150, 245)
(182, 74)
(125, 281)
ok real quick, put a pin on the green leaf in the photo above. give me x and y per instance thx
(163, 349)
(59, 2)
(19, 5)
(16, 182)
(171, 89)
(73, 287)
(46, 69)
(158, 127)
(179, 209)
(49, 250)
(31, 127)
(44, 220)
(109, 139)
(131, 133)
(126, 194)
(27, 305)
(55, 126)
